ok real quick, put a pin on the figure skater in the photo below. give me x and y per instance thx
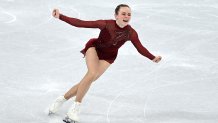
(99, 54)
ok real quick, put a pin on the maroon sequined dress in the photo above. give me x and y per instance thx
(110, 39)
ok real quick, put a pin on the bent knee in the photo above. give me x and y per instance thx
(93, 74)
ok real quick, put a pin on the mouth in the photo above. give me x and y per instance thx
(126, 21)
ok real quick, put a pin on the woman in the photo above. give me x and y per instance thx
(99, 53)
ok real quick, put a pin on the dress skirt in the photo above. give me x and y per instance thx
(103, 53)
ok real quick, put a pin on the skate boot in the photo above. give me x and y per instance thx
(73, 113)
(56, 105)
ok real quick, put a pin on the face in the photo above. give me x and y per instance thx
(123, 17)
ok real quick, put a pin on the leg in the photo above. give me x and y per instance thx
(71, 92)
(95, 67)
(103, 65)
(92, 63)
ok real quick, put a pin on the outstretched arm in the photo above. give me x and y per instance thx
(79, 23)
(141, 49)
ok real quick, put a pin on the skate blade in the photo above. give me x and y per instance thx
(50, 113)
(68, 120)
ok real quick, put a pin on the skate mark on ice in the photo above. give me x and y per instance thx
(121, 91)
(151, 91)
(173, 84)
(12, 17)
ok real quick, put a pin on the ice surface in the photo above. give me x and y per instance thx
(40, 60)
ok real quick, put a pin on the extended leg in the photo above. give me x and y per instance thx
(95, 67)
(103, 65)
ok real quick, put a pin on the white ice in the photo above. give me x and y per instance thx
(40, 60)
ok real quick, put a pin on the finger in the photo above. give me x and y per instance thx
(156, 60)
(53, 13)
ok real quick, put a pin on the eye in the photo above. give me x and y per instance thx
(129, 14)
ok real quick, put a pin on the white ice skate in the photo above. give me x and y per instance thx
(55, 106)
(73, 113)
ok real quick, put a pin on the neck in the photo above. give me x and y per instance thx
(121, 26)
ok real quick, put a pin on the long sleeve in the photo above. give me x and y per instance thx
(81, 23)
(141, 49)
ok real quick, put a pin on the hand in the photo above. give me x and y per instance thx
(157, 59)
(56, 13)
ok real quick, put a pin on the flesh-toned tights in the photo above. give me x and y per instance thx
(95, 68)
